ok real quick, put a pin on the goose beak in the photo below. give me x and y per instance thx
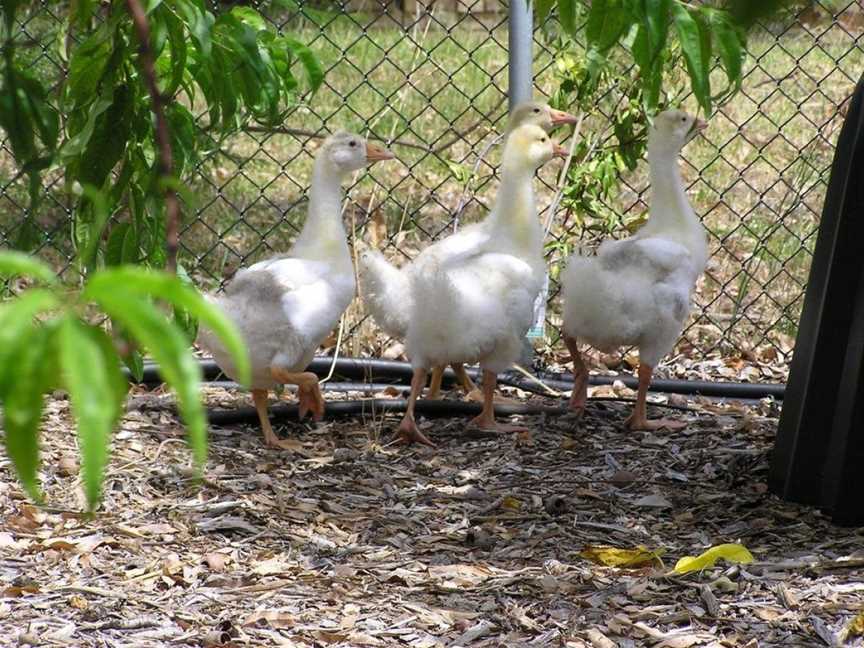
(560, 118)
(701, 125)
(376, 153)
(560, 151)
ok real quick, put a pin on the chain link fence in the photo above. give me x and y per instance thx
(430, 79)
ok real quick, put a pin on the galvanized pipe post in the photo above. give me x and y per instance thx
(521, 44)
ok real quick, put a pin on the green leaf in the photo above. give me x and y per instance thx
(23, 402)
(734, 553)
(152, 330)
(567, 15)
(731, 43)
(91, 374)
(178, 48)
(542, 9)
(107, 142)
(88, 65)
(142, 282)
(116, 243)
(14, 263)
(655, 22)
(134, 362)
(314, 71)
(607, 22)
(16, 317)
(695, 41)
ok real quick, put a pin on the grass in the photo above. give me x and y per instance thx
(438, 94)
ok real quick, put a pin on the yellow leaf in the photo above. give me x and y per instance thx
(856, 626)
(735, 553)
(613, 557)
(511, 503)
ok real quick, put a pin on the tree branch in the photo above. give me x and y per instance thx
(162, 133)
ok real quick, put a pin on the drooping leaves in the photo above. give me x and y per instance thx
(91, 374)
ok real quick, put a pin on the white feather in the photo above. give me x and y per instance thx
(638, 291)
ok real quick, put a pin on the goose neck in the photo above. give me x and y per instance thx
(669, 200)
(323, 230)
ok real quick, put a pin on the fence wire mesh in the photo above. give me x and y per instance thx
(430, 79)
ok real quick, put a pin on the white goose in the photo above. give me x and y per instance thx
(386, 289)
(637, 291)
(473, 292)
(287, 305)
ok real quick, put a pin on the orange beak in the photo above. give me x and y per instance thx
(559, 118)
(560, 151)
(377, 153)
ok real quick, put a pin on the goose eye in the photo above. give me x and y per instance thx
(683, 119)
(543, 140)
(536, 110)
(352, 143)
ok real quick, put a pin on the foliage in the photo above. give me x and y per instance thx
(100, 133)
(46, 343)
(705, 34)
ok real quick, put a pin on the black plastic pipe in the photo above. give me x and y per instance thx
(383, 372)
(378, 407)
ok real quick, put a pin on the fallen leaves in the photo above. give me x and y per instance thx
(476, 545)
(734, 553)
(614, 557)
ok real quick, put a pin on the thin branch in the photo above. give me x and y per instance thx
(163, 137)
(301, 132)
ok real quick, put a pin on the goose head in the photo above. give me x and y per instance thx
(529, 147)
(672, 130)
(540, 114)
(346, 152)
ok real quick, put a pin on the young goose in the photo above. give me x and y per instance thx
(387, 289)
(287, 305)
(637, 291)
(474, 291)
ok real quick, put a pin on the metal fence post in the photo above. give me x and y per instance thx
(521, 44)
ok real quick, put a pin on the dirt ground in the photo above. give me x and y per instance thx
(351, 541)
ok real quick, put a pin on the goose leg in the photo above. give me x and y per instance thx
(472, 393)
(580, 377)
(486, 419)
(259, 397)
(309, 398)
(408, 431)
(435, 383)
(638, 420)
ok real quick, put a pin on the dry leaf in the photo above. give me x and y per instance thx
(511, 503)
(734, 553)
(78, 602)
(17, 591)
(273, 618)
(856, 626)
(216, 561)
(599, 640)
(269, 567)
(614, 557)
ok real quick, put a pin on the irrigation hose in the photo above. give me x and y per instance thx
(372, 370)
(379, 407)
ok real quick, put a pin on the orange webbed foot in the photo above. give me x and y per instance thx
(640, 424)
(409, 433)
(309, 399)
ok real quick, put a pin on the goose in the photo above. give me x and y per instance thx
(473, 292)
(287, 305)
(636, 292)
(386, 289)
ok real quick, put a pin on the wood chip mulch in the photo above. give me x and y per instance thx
(350, 541)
